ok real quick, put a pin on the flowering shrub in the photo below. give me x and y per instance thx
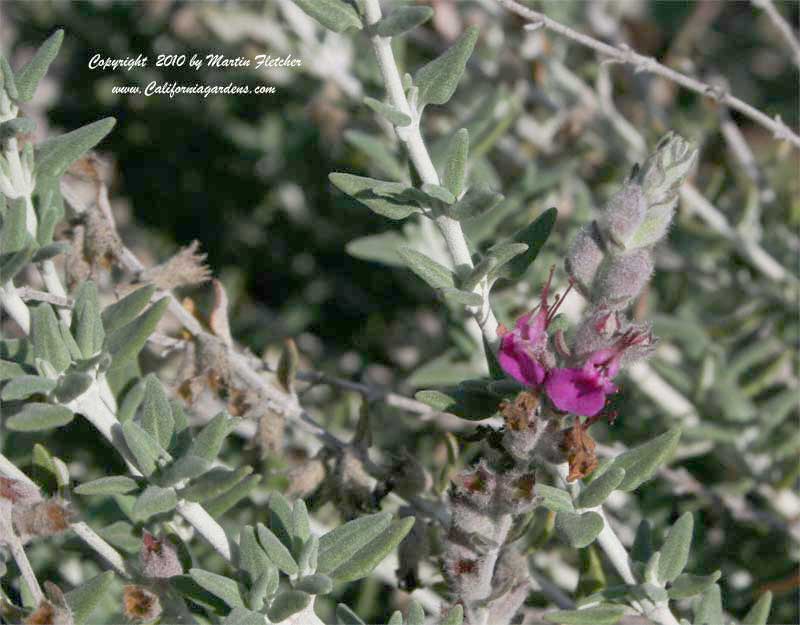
(179, 531)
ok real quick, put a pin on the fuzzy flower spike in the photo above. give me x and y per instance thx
(524, 353)
(583, 390)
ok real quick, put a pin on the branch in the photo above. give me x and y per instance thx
(618, 556)
(14, 545)
(782, 26)
(83, 531)
(643, 63)
(756, 255)
(412, 137)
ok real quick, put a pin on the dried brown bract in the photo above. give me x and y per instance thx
(579, 447)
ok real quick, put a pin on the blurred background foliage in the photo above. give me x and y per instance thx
(247, 177)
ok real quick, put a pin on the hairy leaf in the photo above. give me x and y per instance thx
(437, 81)
(687, 585)
(641, 463)
(394, 200)
(436, 275)
(220, 586)
(55, 155)
(125, 310)
(85, 598)
(476, 201)
(28, 78)
(145, 448)
(603, 614)
(154, 500)
(36, 416)
(455, 169)
(579, 530)
(392, 114)
(87, 326)
(361, 563)
(111, 485)
(675, 550)
(600, 488)
(47, 338)
(26, 385)
(288, 603)
(157, 412)
(336, 15)
(403, 19)
(277, 552)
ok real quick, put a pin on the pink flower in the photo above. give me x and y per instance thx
(524, 353)
(583, 390)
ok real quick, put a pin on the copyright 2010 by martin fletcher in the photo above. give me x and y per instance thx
(171, 89)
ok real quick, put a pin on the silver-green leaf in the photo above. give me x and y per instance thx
(126, 342)
(26, 385)
(145, 448)
(687, 585)
(436, 275)
(641, 463)
(208, 442)
(55, 155)
(157, 412)
(220, 586)
(154, 500)
(675, 550)
(437, 81)
(554, 499)
(336, 15)
(578, 530)
(85, 598)
(277, 552)
(48, 341)
(476, 201)
(602, 614)
(455, 169)
(362, 563)
(288, 603)
(125, 310)
(111, 485)
(36, 416)
(340, 544)
(87, 326)
(600, 488)
(28, 78)
(392, 114)
(393, 200)
(403, 19)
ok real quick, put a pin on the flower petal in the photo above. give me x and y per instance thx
(573, 390)
(518, 363)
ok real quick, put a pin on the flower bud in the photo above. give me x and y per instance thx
(465, 572)
(18, 492)
(476, 487)
(414, 548)
(305, 478)
(53, 609)
(515, 492)
(408, 477)
(139, 604)
(597, 331)
(158, 558)
(44, 518)
(665, 170)
(584, 257)
(623, 215)
(521, 417)
(621, 278)
(350, 485)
